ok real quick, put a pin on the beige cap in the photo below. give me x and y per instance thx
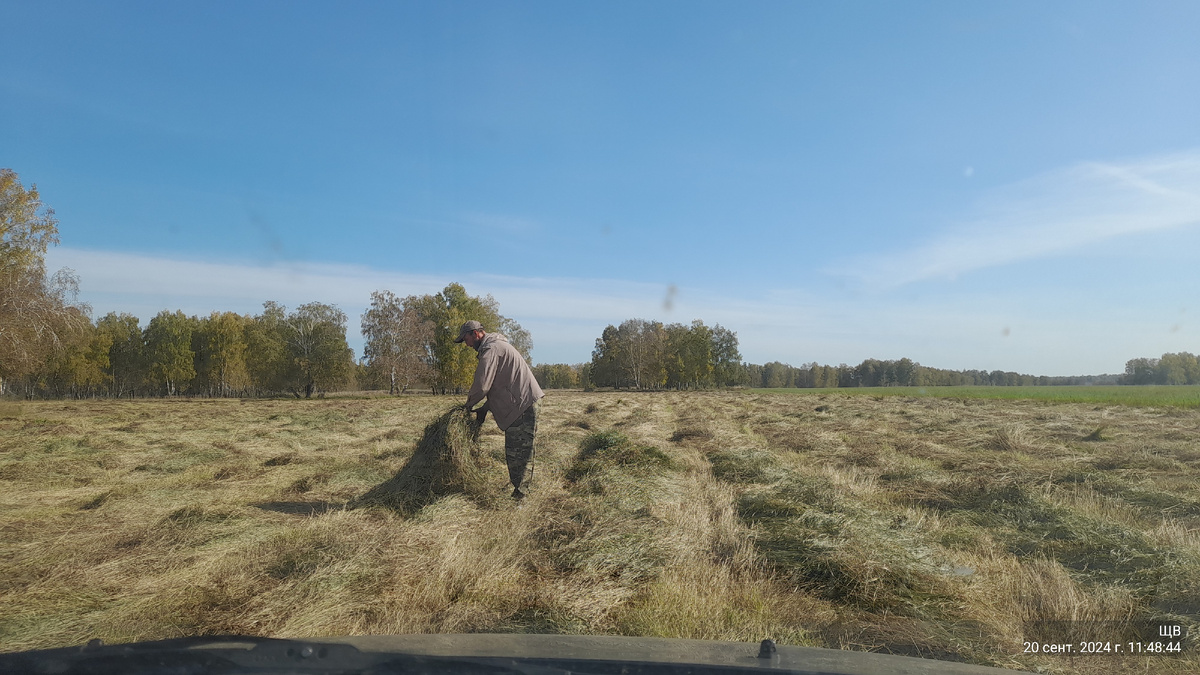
(467, 328)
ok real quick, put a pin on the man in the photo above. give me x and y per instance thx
(512, 393)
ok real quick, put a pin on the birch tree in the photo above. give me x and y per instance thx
(267, 360)
(79, 367)
(220, 346)
(606, 357)
(726, 359)
(398, 341)
(171, 361)
(126, 352)
(315, 335)
(38, 314)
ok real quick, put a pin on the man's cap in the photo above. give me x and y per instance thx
(467, 328)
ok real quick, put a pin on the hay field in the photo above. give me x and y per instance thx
(950, 529)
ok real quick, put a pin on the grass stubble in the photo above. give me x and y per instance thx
(944, 528)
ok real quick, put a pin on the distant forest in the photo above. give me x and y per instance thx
(410, 344)
(1172, 369)
(648, 355)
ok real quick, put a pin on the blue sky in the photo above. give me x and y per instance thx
(1008, 186)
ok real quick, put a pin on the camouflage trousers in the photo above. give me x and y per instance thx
(518, 447)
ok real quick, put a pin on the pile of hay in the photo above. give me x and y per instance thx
(446, 461)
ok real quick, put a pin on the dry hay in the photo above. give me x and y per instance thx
(1011, 438)
(447, 460)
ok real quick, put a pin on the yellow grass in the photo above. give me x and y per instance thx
(950, 529)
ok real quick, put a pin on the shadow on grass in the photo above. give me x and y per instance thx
(298, 508)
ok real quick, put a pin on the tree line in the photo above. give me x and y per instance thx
(409, 343)
(301, 352)
(1181, 368)
(898, 373)
(648, 355)
(870, 373)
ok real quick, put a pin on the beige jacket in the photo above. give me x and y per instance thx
(505, 379)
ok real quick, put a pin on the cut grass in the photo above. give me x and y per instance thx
(949, 528)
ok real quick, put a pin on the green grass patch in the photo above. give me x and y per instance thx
(839, 552)
(1100, 552)
(1181, 396)
(607, 448)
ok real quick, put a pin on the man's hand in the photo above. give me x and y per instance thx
(480, 416)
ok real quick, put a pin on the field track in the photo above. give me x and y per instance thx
(950, 528)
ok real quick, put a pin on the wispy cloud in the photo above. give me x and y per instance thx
(1052, 214)
(573, 311)
(565, 315)
(147, 278)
